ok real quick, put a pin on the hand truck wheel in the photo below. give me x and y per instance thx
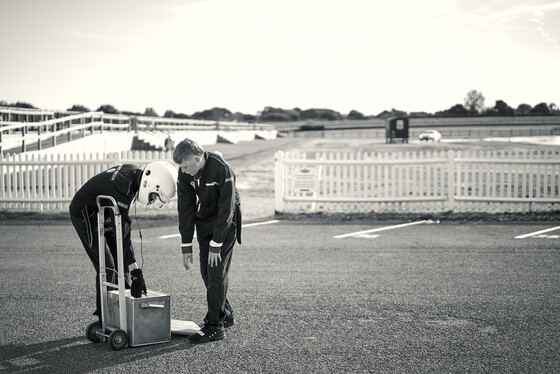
(91, 331)
(118, 340)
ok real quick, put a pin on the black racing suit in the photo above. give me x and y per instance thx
(210, 201)
(122, 183)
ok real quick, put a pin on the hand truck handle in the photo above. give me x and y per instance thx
(113, 205)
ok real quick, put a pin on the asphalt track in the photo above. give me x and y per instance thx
(423, 298)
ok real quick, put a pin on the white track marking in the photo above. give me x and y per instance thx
(360, 233)
(174, 236)
(367, 236)
(536, 232)
(247, 225)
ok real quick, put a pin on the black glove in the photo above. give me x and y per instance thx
(138, 285)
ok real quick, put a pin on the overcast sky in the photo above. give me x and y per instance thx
(247, 54)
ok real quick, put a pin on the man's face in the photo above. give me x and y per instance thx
(191, 165)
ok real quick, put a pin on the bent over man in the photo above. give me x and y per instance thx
(208, 199)
(155, 184)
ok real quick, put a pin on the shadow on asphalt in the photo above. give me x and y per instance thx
(78, 355)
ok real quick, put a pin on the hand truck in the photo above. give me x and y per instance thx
(96, 332)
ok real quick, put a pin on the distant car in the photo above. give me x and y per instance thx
(432, 135)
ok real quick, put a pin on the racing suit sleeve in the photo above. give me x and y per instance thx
(127, 242)
(186, 207)
(226, 206)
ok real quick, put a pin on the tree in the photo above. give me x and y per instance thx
(354, 114)
(419, 115)
(242, 117)
(278, 114)
(523, 110)
(129, 113)
(457, 110)
(150, 112)
(392, 113)
(169, 114)
(474, 101)
(541, 109)
(78, 108)
(320, 114)
(19, 104)
(275, 116)
(107, 108)
(502, 109)
(214, 114)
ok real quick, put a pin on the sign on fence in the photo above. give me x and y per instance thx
(306, 179)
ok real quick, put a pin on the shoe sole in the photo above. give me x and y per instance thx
(208, 341)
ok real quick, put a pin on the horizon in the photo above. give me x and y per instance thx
(370, 115)
(193, 55)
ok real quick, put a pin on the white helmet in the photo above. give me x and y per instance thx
(158, 184)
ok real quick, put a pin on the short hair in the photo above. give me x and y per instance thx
(187, 147)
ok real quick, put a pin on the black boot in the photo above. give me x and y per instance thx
(208, 333)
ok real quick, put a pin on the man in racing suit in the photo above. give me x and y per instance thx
(123, 183)
(208, 199)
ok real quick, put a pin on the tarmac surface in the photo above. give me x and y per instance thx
(447, 297)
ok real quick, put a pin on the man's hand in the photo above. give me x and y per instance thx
(138, 285)
(214, 256)
(187, 260)
(214, 259)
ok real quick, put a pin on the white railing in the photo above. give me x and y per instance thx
(447, 133)
(164, 123)
(11, 114)
(32, 132)
(53, 128)
(432, 181)
(35, 182)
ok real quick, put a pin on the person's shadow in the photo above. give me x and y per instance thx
(78, 355)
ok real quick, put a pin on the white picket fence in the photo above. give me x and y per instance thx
(418, 181)
(48, 182)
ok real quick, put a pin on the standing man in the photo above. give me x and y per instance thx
(208, 199)
(153, 185)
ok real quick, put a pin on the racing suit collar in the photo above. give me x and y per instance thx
(135, 185)
(201, 171)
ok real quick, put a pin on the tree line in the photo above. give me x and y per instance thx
(473, 105)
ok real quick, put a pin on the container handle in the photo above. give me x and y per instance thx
(160, 305)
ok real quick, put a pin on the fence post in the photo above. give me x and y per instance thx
(279, 182)
(23, 139)
(451, 179)
(39, 137)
